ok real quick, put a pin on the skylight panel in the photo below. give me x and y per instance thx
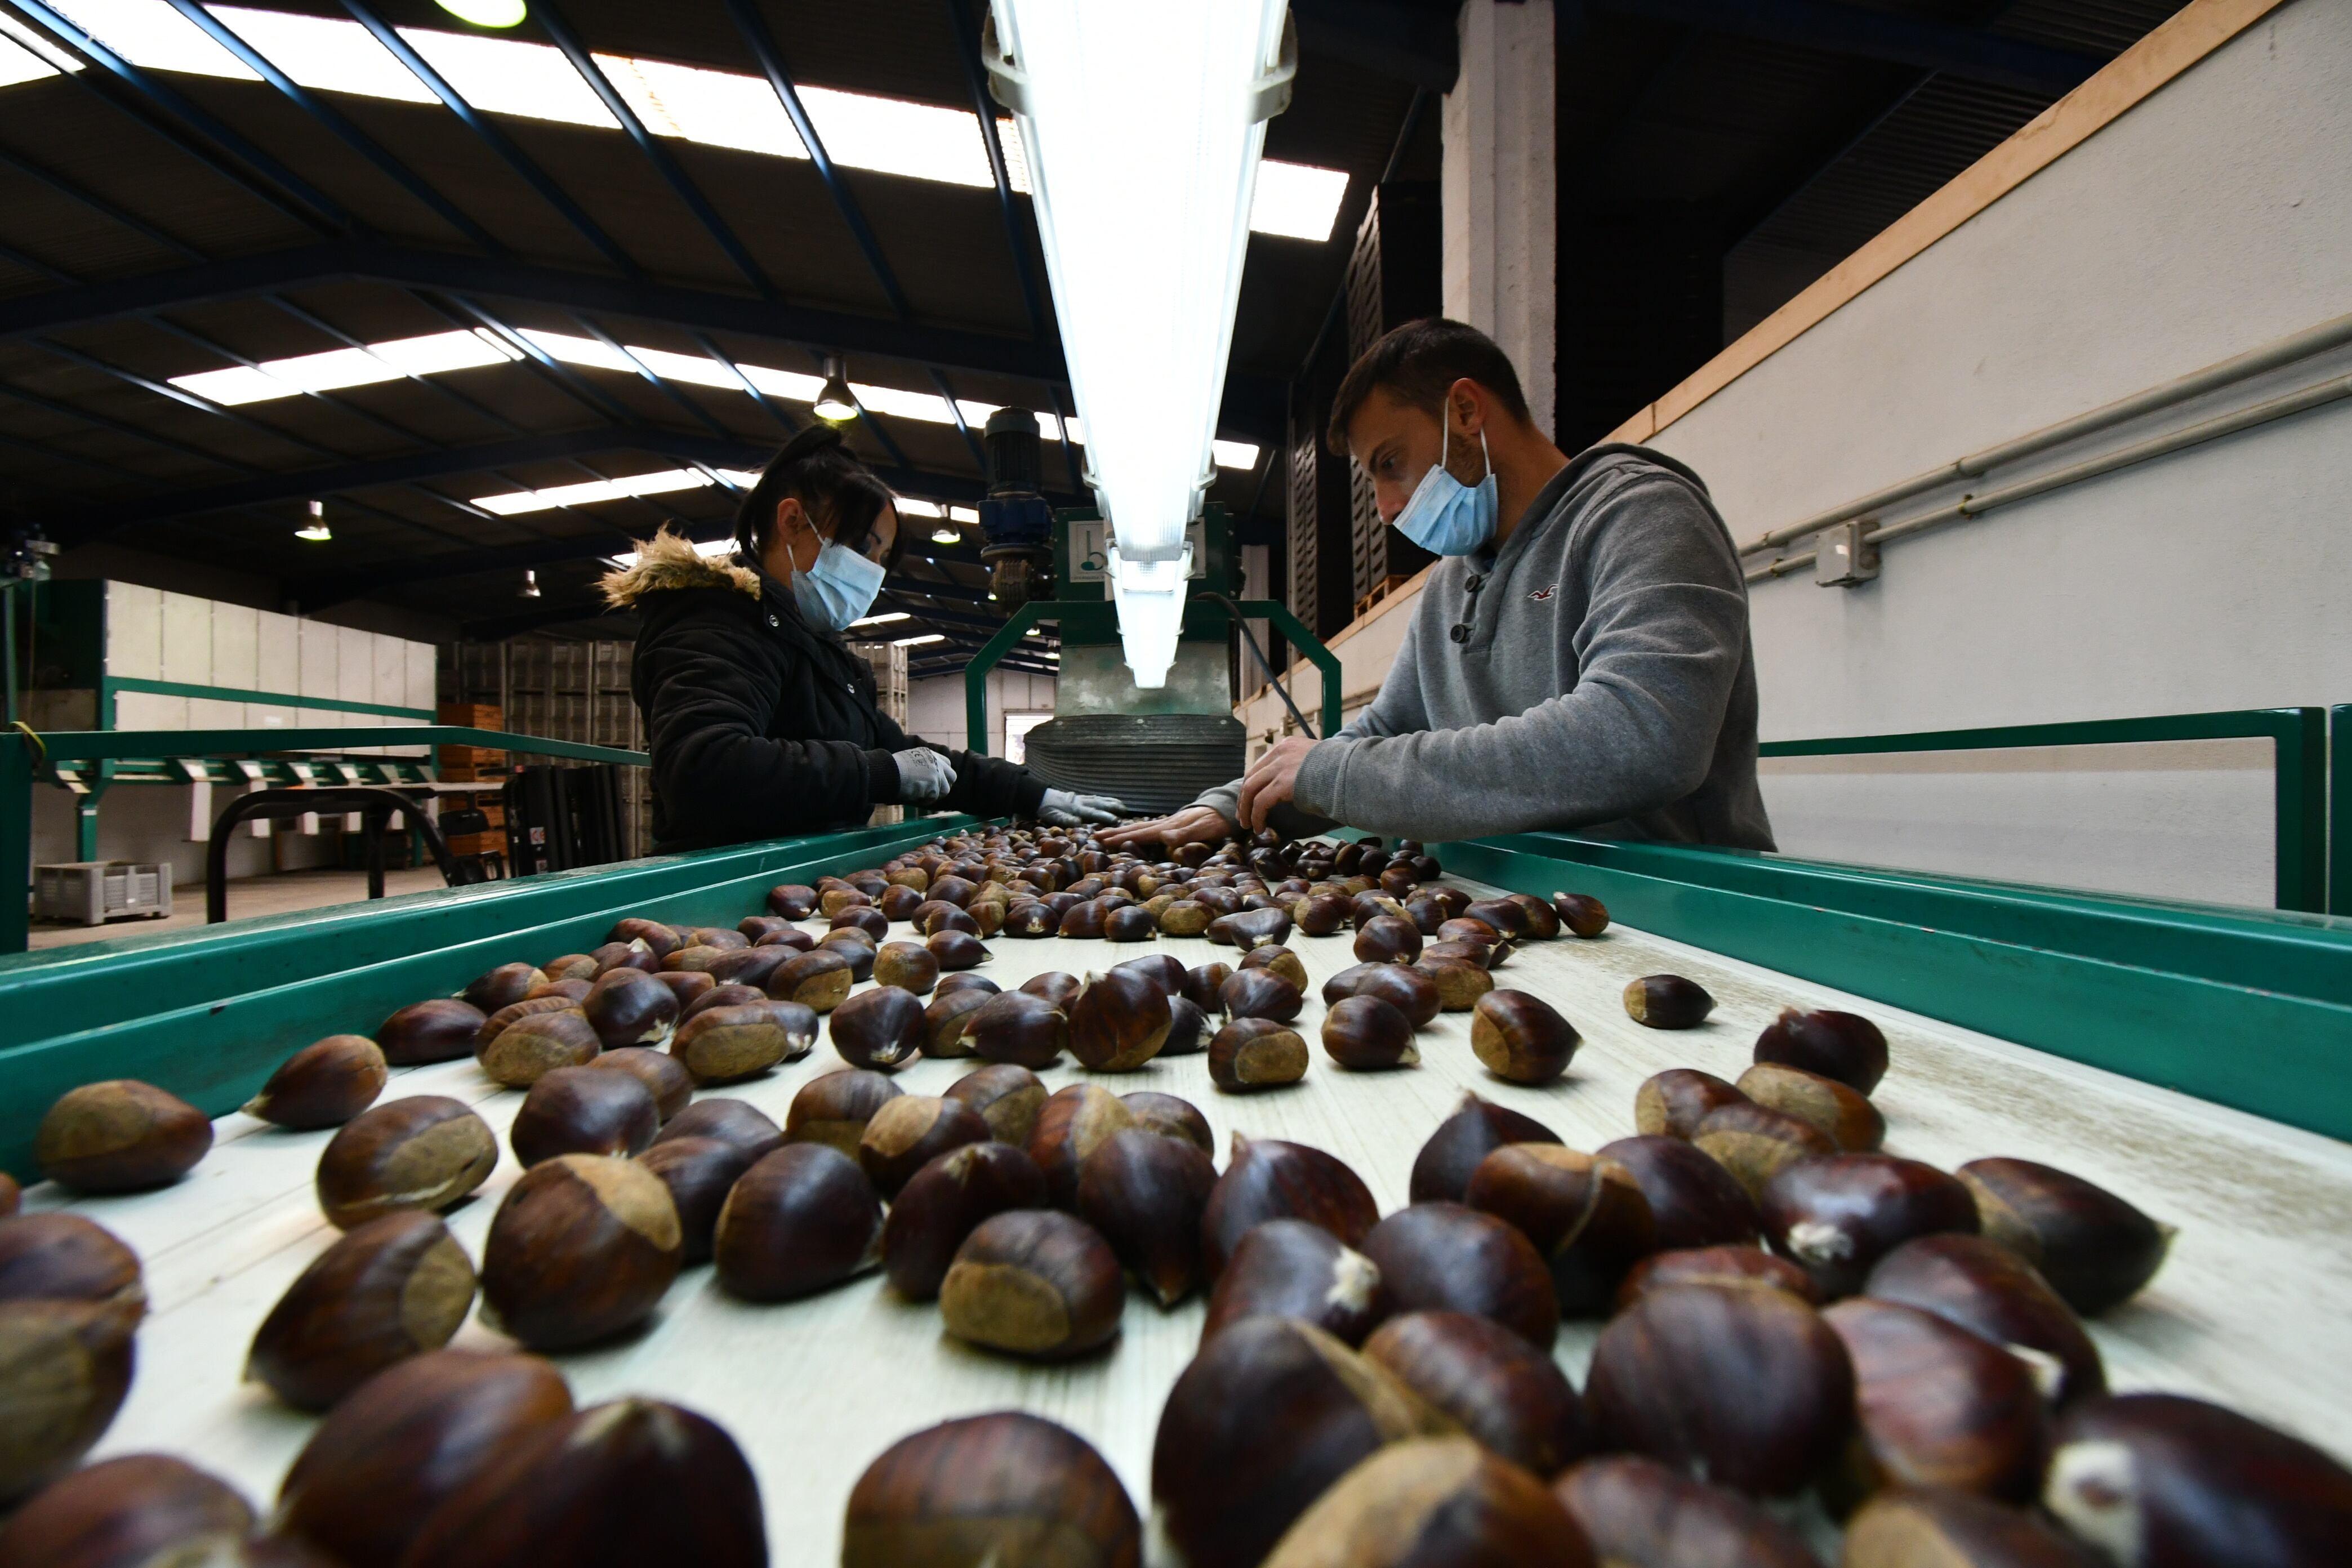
(741, 478)
(928, 407)
(1296, 200)
(695, 370)
(893, 136)
(437, 352)
(1233, 454)
(910, 507)
(722, 109)
(579, 351)
(149, 33)
(237, 384)
(659, 482)
(326, 52)
(790, 385)
(506, 75)
(331, 370)
(39, 45)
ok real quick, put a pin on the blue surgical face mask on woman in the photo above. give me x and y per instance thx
(838, 587)
(1446, 517)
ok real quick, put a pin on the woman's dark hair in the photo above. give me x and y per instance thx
(816, 469)
(1416, 363)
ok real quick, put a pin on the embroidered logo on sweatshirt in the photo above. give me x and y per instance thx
(1549, 591)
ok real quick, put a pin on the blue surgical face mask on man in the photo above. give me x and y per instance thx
(838, 587)
(1446, 517)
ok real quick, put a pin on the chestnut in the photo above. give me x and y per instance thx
(872, 921)
(1837, 1216)
(616, 955)
(1520, 1038)
(942, 1202)
(1083, 921)
(438, 1030)
(1639, 1515)
(1540, 922)
(1844, 1113)
(1266, 1417)
(693, 959)
(1130, 922)
(1956, 1530)
(1202, 984)
(1987, 1289)
(911, 966)
(1447, 1257)
(956, 949)
(139, 1508)
(816, 980)
(2163, 1479)
(387, 1290)
(1584, 1214)
(1186, 916)
(120, 1136)
(1936, 1406)
(1731, 1263)
(1694, 1201)
(1162, 969)
(1411, 989)
(1434, 1500)
(964, 980)
(754, 929)
(1369, 1032)
(2095, 1249)
(496, 1024)
(1259, 994)
(725, 938)
(581, 1250)
(1170, 1117)
(664, 1076)
(64, 1366)
(1280, 960)
(792, 937)
(1008, 1098)
(1252, 928)
(1071, 1124)
(1144, 1193)
(1267, 1178)
(698, 1172)
(424, 1151)
(661, 938)
(322, 1085)
(626, 1482)
(1582, 914)
(1387, 939)
(537, 1044)
(936, 915)
(792, 901)
(1319, 914)
(11, 1195)
(879, 1028)
(1667, 1002)
(1257, 1053)
(751, 968)
(1479, 955)
(1020, 1028)
(834, 1109)
(1753, 1142)
(1674, 1103)
(1292, 1269)
(1029, 918)
(1470, 928)
(1479, 1126)
(1007, 1488)
(1119, 1021)
(583, 966)
(1188, 1029)
(946, 1018)
(722, 1043)
(1036, 1282)
(1054, 986)
(1842, 1046)
(801, 1220)
(907, 1132)
(579, 1110)
(858, 953)
(1748, 1388)
(737, 1123)
(58, 1255)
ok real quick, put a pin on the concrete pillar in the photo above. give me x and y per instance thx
(1499, 199)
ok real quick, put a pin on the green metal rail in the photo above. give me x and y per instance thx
(1099, 622)
(88, 762)
(2339, 809)
(2299, 772)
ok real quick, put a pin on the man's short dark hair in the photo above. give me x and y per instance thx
(1416, 363)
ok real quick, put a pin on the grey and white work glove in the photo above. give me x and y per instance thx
(925, 777)
(1060, 808)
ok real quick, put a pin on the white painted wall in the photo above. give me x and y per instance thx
(936, 710)
(2212, 217)
(1498, 190)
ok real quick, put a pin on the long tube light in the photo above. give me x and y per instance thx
(1143, 127)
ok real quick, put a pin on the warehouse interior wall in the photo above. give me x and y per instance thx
(936, 707)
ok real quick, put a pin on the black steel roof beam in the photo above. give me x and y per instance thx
(1408, 42)
(165, 389)
(766, 405)
(68, 411)
(317, 592)
(447, 393)
(559, 33)
(699, 309)
(1862, 34)
(983, 104)
(98, 205)
(955, 412)
(488, 132)
(645, 373)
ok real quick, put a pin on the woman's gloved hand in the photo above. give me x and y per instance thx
(1060, 808)
(925, 777)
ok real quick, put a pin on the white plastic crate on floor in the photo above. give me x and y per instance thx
(95, 891)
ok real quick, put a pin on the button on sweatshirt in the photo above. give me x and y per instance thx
(1594, 673)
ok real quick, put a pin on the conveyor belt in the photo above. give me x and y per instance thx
(2251, 1309)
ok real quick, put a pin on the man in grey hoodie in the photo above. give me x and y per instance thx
(1579, 658)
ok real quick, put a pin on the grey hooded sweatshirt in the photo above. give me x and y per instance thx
(1594, 673)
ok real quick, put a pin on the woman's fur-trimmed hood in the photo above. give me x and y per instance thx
(667, 561)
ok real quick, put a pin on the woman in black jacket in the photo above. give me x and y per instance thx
(761, 723)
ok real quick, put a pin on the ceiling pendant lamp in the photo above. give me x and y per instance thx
(1142, 126)
(316, 531)
(836, 404)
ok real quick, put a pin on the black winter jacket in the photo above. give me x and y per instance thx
(760, 725)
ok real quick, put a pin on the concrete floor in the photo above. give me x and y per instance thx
(276, 894)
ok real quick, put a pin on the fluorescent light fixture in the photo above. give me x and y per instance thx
(316, 531)
(1298, 201)
(658, 483)
(337, 368)
(709, 548)
(883, 619)
(1142, 127)
(834, 403)
(918, 642)
(1233, 454)
(486, 13)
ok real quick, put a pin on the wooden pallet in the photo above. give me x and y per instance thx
(1388, 585)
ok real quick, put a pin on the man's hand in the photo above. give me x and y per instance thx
(1062, 809)
(1273, 779)
(1194, 824)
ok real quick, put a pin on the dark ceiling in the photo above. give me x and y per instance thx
(157, 223)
